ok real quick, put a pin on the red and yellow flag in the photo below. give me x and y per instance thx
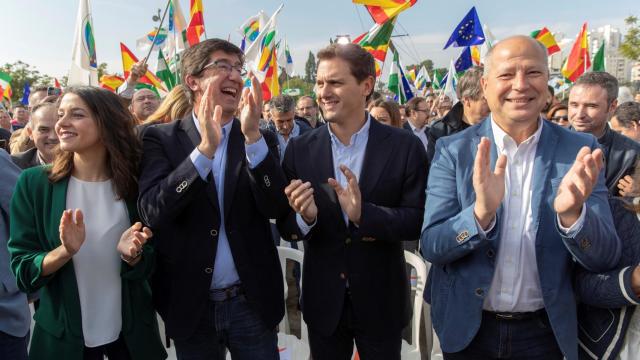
(578, 60)
(111, 82)
(271, 85)
(383, 10)
(546, 38)
(475, 55)
(196, 24)
(128, 60)
(376, 42)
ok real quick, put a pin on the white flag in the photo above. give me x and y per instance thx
(450, 85)
(84, 65)
(258, 53)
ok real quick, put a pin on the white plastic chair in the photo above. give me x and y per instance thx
(290, 346)
(412, 351)
(433, 343)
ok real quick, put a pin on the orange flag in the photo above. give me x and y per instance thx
(196, 24)
(578, 60)
(128, 60)
(383, 10)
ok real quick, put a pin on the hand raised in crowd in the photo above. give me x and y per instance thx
(488, 185)
(628, 186)
(72, 231)
(301, 200)
(577, 184)
(251, 109)
(137, 71)
(210, 119)
(349, 197)
(131, 242)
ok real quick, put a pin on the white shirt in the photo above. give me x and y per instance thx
(516, 284)
(420, 133)
(97, 263)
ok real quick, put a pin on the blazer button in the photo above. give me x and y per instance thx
(479, 292)
(208, 270)
(214, 232)
(343, 276)
(347, 241)
(491, 253)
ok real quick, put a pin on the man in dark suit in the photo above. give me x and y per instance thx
(209, 184)
(417, 111)
(41, 130)
(356, 192)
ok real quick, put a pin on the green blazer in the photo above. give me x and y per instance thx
(36, 208)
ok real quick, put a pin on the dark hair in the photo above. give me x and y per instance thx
(391, 107)
(628, 113)
(555, 108)
(603, 80)
(361, 63)
(552, 91)
(116, 127)
(412, 105)
(196, 57)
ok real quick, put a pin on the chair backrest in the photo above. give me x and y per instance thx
(287, 253)
(421, 278)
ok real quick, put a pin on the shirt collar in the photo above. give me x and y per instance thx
(500, 136)
(355, 137)
(414, 128)
(225, 129)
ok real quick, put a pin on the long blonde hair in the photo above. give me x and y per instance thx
(174, 106)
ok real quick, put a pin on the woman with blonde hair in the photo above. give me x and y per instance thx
(76, 239)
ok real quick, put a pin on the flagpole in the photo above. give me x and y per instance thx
(153, 42)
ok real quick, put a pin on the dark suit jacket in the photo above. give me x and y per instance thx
(370, 257)
(621, 155)
(26, 159)
(182, 209)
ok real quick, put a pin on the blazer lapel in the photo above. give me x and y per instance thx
(235, 159)
(375, 158)
(70, 295)
(541, 169)
(190, 138)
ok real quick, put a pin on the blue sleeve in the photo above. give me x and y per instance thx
(201, 163)
(256, 152)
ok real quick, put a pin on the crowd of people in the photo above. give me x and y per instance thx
(116, 207)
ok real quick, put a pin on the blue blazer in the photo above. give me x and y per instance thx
(463, 261)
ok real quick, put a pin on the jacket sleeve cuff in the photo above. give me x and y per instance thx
(624, 279)
(574, 229)
(256, 152)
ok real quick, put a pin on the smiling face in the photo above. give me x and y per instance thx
(144, 103)
(42, 131)
(341, 97)
(227, 85)
(77, 128)
(588, 109)
(515, 82)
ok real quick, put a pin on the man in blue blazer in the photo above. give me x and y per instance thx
(503, 242)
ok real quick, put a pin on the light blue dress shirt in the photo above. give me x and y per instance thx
(351, 155)
(224, 270)
(283, 143)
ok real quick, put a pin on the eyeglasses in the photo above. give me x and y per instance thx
(422, 110)
(224, 66)
(559, 118)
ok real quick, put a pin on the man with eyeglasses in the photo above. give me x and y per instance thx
(143, 103)
(417, 112)
(307, 111)
(209, 183)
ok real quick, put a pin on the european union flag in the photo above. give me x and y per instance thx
(26, 93)
(464, 61)
(468, 32)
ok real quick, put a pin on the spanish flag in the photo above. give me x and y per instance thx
(196, 24)
(383, 10)
(111, 82)
(546, 38)
(128, 60)
(578, 60)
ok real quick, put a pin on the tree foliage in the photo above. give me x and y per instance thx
(630, 47)
(22, 73)
(428, 65)
(310, 69)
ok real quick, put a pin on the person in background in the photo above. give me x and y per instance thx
(386, 112)
(558, 114)
(626, 120)
(14, 307)
(87, 254)
(41, 131)
(174, 106)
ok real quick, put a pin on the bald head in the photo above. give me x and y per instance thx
(517, 43)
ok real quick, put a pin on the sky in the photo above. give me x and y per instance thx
(40, 32)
